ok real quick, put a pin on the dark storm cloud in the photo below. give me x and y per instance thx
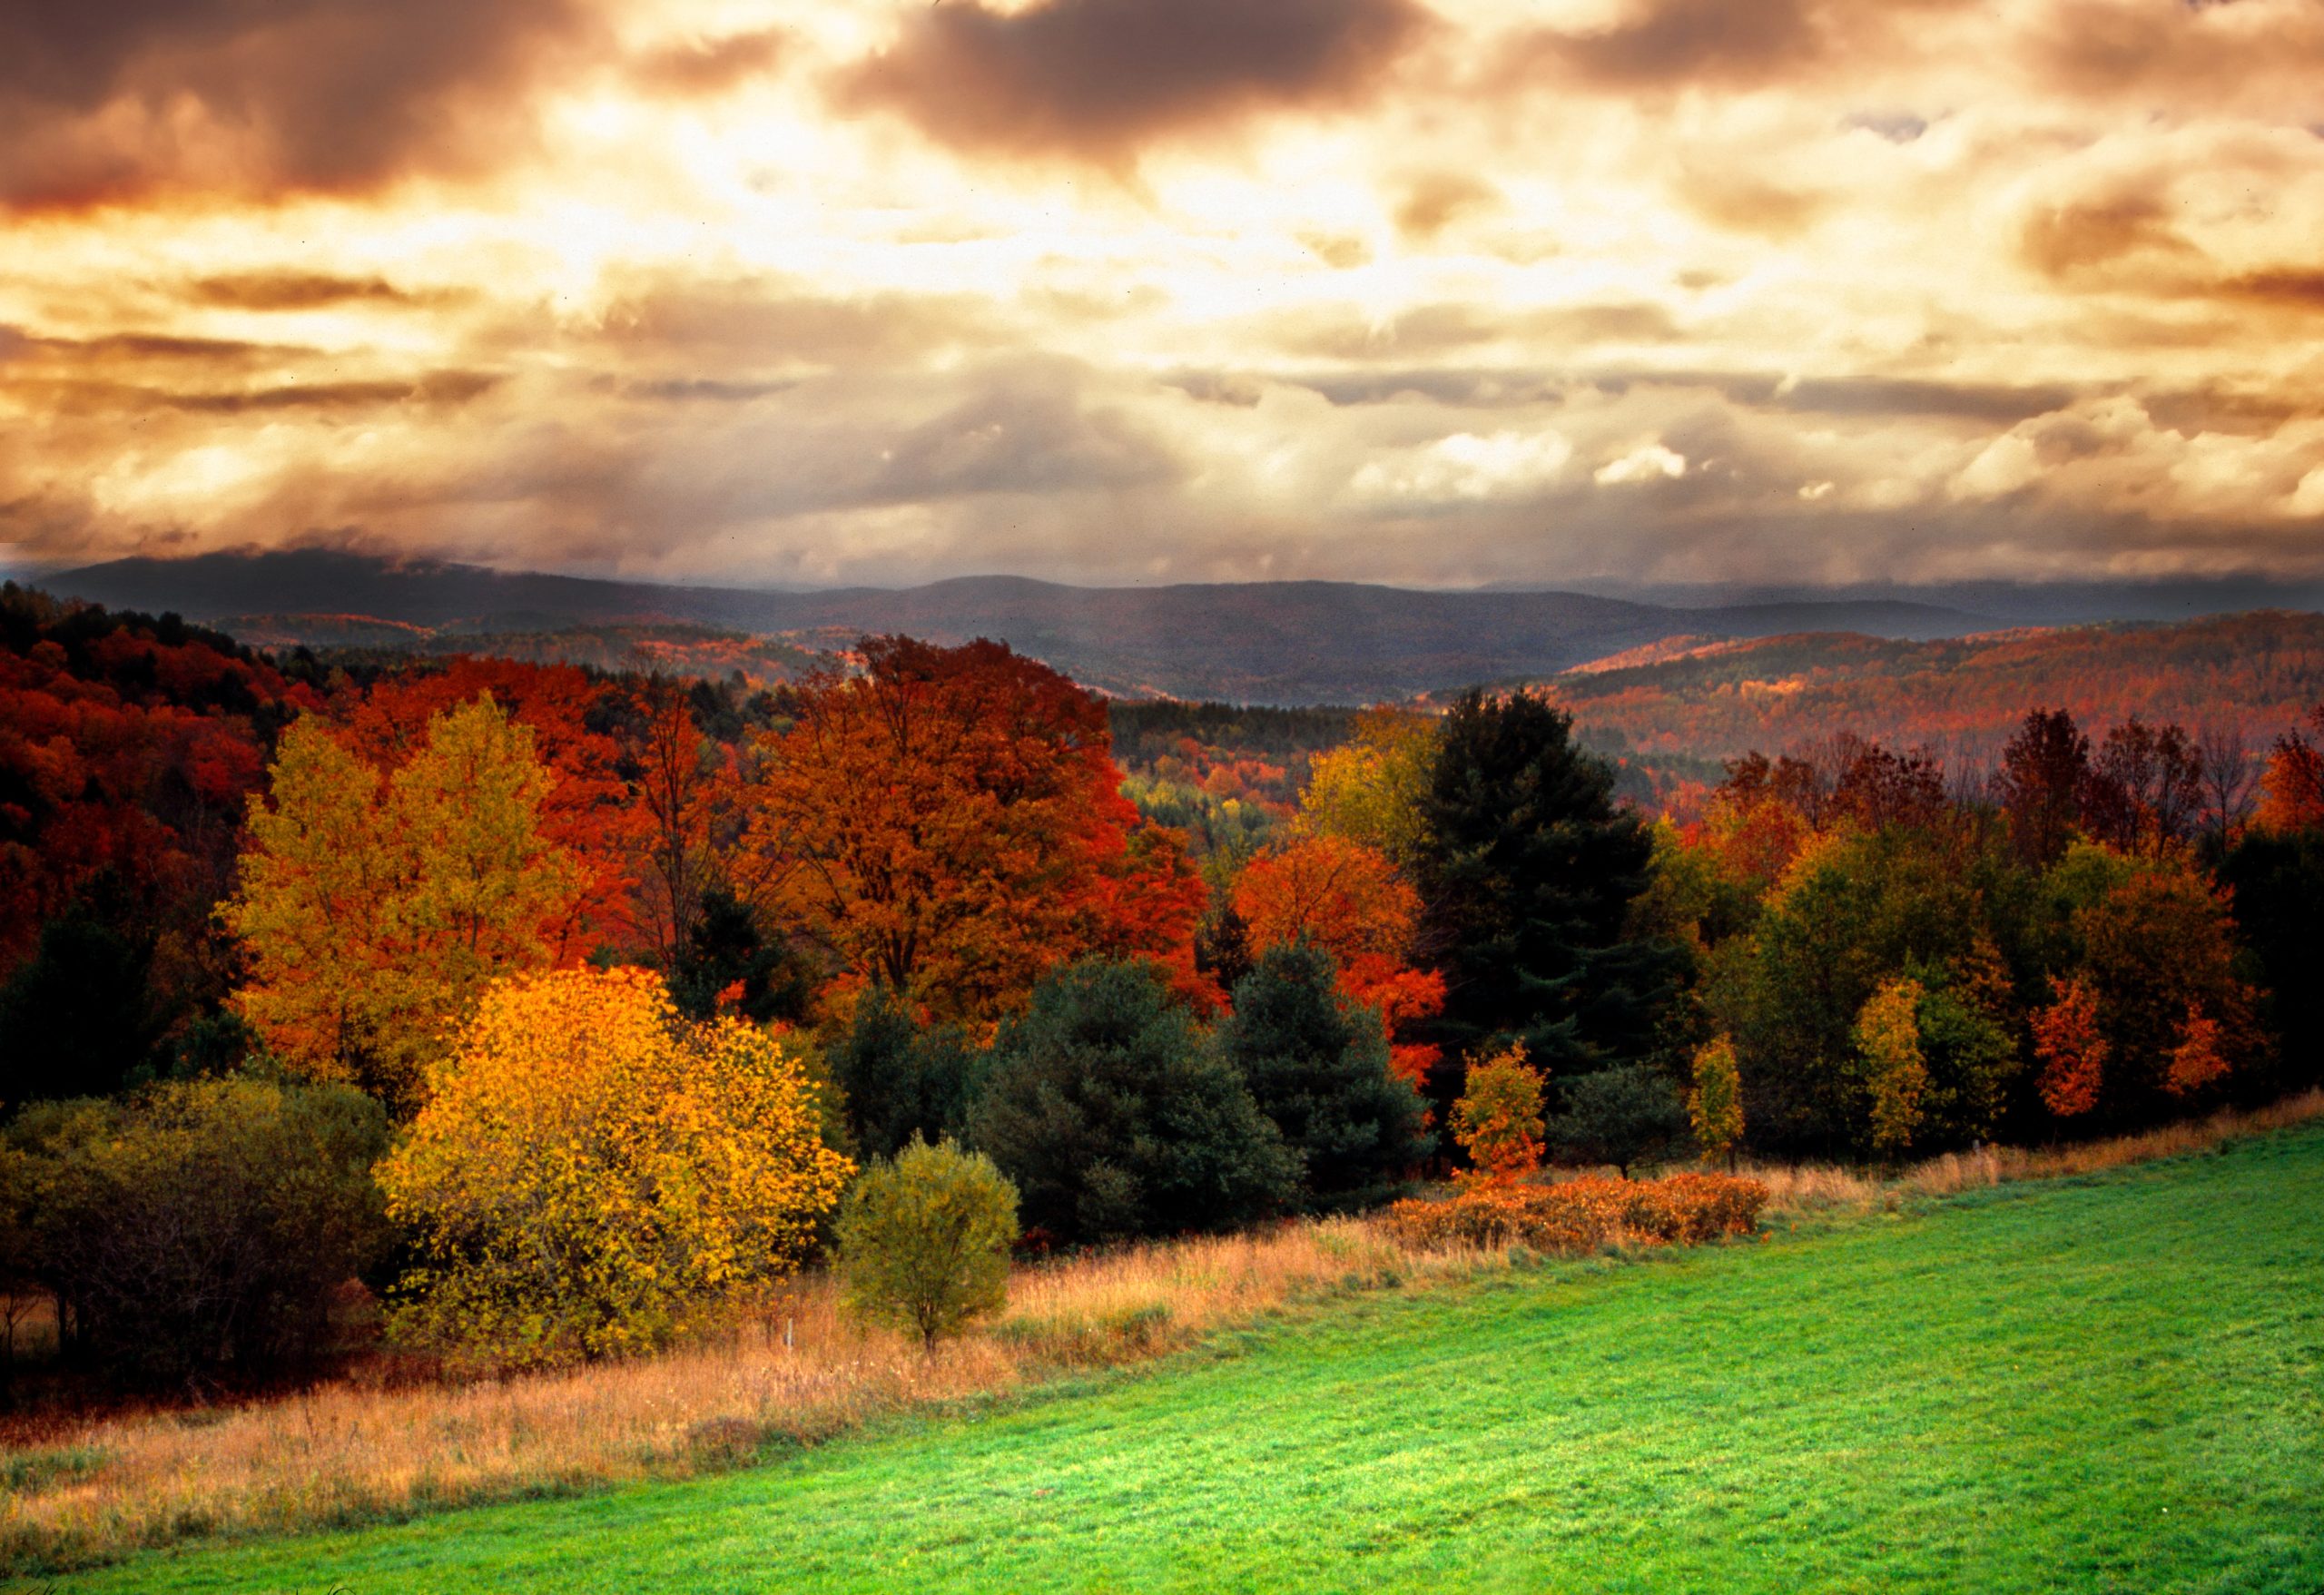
(1094, 79)
(115, 101)
(1676, 42)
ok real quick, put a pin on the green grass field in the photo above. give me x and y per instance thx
(2108, 1384)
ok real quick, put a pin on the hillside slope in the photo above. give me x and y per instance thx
(1274, 642)
(2098, 1384)
(1962, 697)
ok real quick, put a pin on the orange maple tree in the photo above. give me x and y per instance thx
(1347, 897)
(2071, 1047)
(949, 823)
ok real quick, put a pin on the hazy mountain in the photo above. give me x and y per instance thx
(1277, 642)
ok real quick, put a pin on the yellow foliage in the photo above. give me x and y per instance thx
(591, 1171)
(374, 912)
(1715, 1104)
(1888, 1040)
(1370, 789)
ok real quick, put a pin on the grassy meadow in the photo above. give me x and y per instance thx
(2107, 1381)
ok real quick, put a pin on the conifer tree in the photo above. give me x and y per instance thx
(1527, 871)
(1321, 1071)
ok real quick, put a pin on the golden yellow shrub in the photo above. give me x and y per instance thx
(591, 1170)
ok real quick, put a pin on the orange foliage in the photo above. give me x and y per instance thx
(2292, 792)
(2196, 1061)
(2072, 1051)
(1348, 898)
(950, 824)
(1498, 1119)
(1581, 1216)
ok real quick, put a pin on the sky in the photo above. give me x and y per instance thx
(1436, 292)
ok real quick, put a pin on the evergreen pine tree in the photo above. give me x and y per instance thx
(1527, 871)
(1320, 1073)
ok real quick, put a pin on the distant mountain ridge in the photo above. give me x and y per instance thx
(1288, 642)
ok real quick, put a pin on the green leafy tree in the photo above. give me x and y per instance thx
(1321, 1072)
(1855, 912)
(199, 1228)
(924, 1239)
(1528, 872)
(1622, 1116)
(1114, 1119)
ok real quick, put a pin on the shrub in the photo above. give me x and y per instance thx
(1621, 1116)
(1581, 1216)
(591, 1168)
(1115, 1119)
(1498, 1119)
(199, 1228)
(1321, 1071)
(924, 1239)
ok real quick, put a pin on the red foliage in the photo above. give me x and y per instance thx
(127, 751)
(1350, 900)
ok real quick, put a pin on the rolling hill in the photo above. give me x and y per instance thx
(1961, 697)
(1271, 643)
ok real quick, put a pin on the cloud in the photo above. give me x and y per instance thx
(1649, 462)
(702, 68)
(118, 101)
(1097, 80)
(1666, 42)
(2064, 241)
(290, 291)
(1436, 201)
(1465, 468)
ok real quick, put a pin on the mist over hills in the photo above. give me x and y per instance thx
(1271, 643)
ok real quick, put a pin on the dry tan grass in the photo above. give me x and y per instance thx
(1814, 1188)
(800, 1370)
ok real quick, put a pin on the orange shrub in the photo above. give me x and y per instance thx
(1581, 1216)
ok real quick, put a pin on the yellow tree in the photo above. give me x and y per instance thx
(592, 1171)
(1369, 790)
(374, 914)
(1888, 1044)
(1715, 1104)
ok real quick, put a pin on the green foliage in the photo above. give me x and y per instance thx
(1528, 872)
(200, 1227)
(724, 950)
(1115, 1119)
(901, 1079)
(1320, 1073)
(1857, 911)
(924, 1239)
(1623, 1116)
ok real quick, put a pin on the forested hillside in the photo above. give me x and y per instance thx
(1961, 697)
